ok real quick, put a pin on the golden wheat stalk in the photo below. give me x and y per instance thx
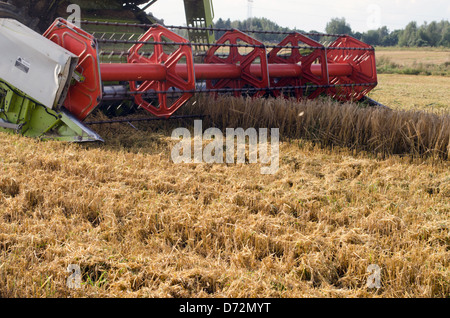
(329, 123)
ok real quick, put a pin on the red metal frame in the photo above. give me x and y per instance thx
(246, 61)
(346, 70)
(315, 56)
(171, 79)
(84, 96)
(363, 65)
(114, 72)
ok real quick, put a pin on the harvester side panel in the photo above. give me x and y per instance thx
(200, 14)
(34, 64)
(35, 77)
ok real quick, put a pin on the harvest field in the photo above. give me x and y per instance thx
(414, 56)
(412, 92)
(414, 61)
(139, 225)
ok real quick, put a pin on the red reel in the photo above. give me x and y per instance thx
(364, 69)
(295, 55)
(246, 53)
(170, 57)
(84, 95)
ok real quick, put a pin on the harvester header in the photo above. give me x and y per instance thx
(160, 70)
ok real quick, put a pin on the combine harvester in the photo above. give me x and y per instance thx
(50, 83)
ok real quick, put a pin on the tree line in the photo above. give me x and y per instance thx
(433, 34)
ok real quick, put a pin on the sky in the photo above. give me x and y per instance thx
(362, 15)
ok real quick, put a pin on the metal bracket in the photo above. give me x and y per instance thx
(8, 125)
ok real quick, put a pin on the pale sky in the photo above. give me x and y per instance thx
(362, 15)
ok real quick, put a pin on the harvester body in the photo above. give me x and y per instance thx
(159, 70)
(35, 77)
(31, 60)
(39, 14)
(200, 16)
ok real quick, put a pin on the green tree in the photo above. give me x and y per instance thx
(409, 36)
(371, 37)
(430, 34)
(392, 38)
(338, 26)
(445, 40)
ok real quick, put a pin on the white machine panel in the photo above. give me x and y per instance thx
(33, 64)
